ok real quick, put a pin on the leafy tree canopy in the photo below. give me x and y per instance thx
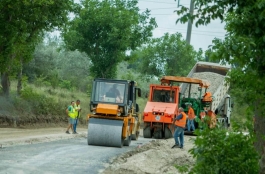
(105, 30)
(243, 46)
(63, 65)
(245, 39)
(23, 21)
(168, 55)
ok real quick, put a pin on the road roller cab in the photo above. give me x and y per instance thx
(115, 118)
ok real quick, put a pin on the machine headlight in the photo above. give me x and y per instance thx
(94, 111)
(119, 112)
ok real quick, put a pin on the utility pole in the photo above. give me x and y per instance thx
(188, 36)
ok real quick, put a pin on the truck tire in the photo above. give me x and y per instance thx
(158, 134)
(147, 132)
(168, 133)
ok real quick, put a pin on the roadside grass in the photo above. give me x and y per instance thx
(44, 105)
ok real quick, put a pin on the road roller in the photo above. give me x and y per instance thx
(115, 118)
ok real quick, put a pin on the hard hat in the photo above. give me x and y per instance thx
(188, 104)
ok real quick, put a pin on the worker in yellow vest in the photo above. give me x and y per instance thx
(180, 123)
(77, 108)
(72, 116)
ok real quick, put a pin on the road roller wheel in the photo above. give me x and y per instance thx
(127, 141)
(158, 134)
(105, 132)
(168, 133)
(147, 132)
(135, 136)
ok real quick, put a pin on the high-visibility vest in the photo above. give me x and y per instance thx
(182, 121)
(71, 113)
(76, 110)
(207, 97)
(191, 114)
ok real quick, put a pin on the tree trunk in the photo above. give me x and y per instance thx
(19, 82)
(5, 83)
(259, 128)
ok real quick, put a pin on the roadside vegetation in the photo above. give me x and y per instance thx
(43, 106)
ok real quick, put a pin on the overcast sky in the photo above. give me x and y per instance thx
(163, 11)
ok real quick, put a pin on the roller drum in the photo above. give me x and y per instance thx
(105, 132)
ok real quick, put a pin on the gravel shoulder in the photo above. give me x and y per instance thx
(154, 157)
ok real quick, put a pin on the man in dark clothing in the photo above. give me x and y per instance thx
(180, 123)
(115, 93)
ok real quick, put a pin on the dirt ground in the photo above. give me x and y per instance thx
(154, 157)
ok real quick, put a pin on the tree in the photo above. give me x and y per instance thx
(105, 30)
(243, 46)
(21, 27)
(134, 74)
(168, 55)
(64, 66)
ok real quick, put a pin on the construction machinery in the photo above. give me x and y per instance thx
(115, 118)
(216, 74)
(174, 92)
(159, 111)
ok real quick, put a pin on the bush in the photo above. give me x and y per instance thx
(66, 84)
(40, 104)
(220, 152)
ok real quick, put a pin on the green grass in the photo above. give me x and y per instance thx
(141, 102)
(40, 105)
(44, 105)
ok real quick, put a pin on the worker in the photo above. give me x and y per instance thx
(77, 114)
(191, 117)
(180, 124)
(207, 97)
(115, 93)
(71, 114)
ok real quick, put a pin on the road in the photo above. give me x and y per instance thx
(60, 156)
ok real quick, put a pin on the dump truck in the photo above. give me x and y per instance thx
(216, 75)
(115, 118)
(174, 92)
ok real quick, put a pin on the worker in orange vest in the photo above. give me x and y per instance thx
(180, 124)
(191, 117)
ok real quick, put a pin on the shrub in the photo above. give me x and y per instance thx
(220, 152)
(66, 84)
(39, 81)
(40, 104)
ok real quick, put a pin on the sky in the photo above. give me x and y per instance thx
(163, 12)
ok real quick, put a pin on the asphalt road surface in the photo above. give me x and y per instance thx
(62, 156)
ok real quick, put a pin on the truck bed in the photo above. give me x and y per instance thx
(215, 74)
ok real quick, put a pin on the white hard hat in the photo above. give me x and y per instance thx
(188, 103)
